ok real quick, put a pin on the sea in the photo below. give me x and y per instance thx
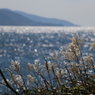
(27, 44)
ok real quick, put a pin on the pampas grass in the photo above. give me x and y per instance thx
(75, 75)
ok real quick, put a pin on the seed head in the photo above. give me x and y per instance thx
(30, 67)
(30, 78)
(16, 66)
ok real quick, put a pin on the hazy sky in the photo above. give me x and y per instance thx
(81, 12)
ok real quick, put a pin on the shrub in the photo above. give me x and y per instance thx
(73, 75)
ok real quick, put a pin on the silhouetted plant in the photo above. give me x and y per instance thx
(75, 75)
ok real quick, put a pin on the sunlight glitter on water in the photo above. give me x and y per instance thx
(27, 44)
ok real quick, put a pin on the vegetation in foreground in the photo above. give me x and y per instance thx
(74, 74)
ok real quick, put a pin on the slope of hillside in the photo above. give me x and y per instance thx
(17, 18)
(46, 20)
(8, 17)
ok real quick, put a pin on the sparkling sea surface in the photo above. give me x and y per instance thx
(30, 44)
(33, 44)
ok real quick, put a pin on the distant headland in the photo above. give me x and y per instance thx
(17, 18)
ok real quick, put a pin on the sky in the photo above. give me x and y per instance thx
(80, 12)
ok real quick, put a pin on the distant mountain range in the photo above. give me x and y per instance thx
(18, 18)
